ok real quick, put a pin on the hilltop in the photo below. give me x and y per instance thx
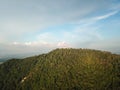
(63, 69)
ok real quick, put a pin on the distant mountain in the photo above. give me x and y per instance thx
(4, 59)
(18, 56)
(62, 69)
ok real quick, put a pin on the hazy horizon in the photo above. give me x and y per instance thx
(32, 27)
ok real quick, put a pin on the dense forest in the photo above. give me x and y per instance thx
(63, 69)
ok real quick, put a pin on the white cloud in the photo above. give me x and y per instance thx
(63, 45)
(36, 47)
(32, 44)
(16, 43)
(105, 16)
(95, 19)
(42, 44)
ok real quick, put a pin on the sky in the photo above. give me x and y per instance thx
(30, 27)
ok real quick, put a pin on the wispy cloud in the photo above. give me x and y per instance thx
(105, 16)
(24, 16)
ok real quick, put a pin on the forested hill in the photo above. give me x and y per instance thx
(63, 69)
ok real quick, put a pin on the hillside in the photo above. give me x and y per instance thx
(63, 69)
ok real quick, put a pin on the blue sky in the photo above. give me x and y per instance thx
(32, 27)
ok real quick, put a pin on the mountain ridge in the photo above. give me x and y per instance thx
(63, 69)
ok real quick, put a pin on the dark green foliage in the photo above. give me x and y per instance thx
(63, 69)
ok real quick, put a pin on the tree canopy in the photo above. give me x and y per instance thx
(63, 69)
